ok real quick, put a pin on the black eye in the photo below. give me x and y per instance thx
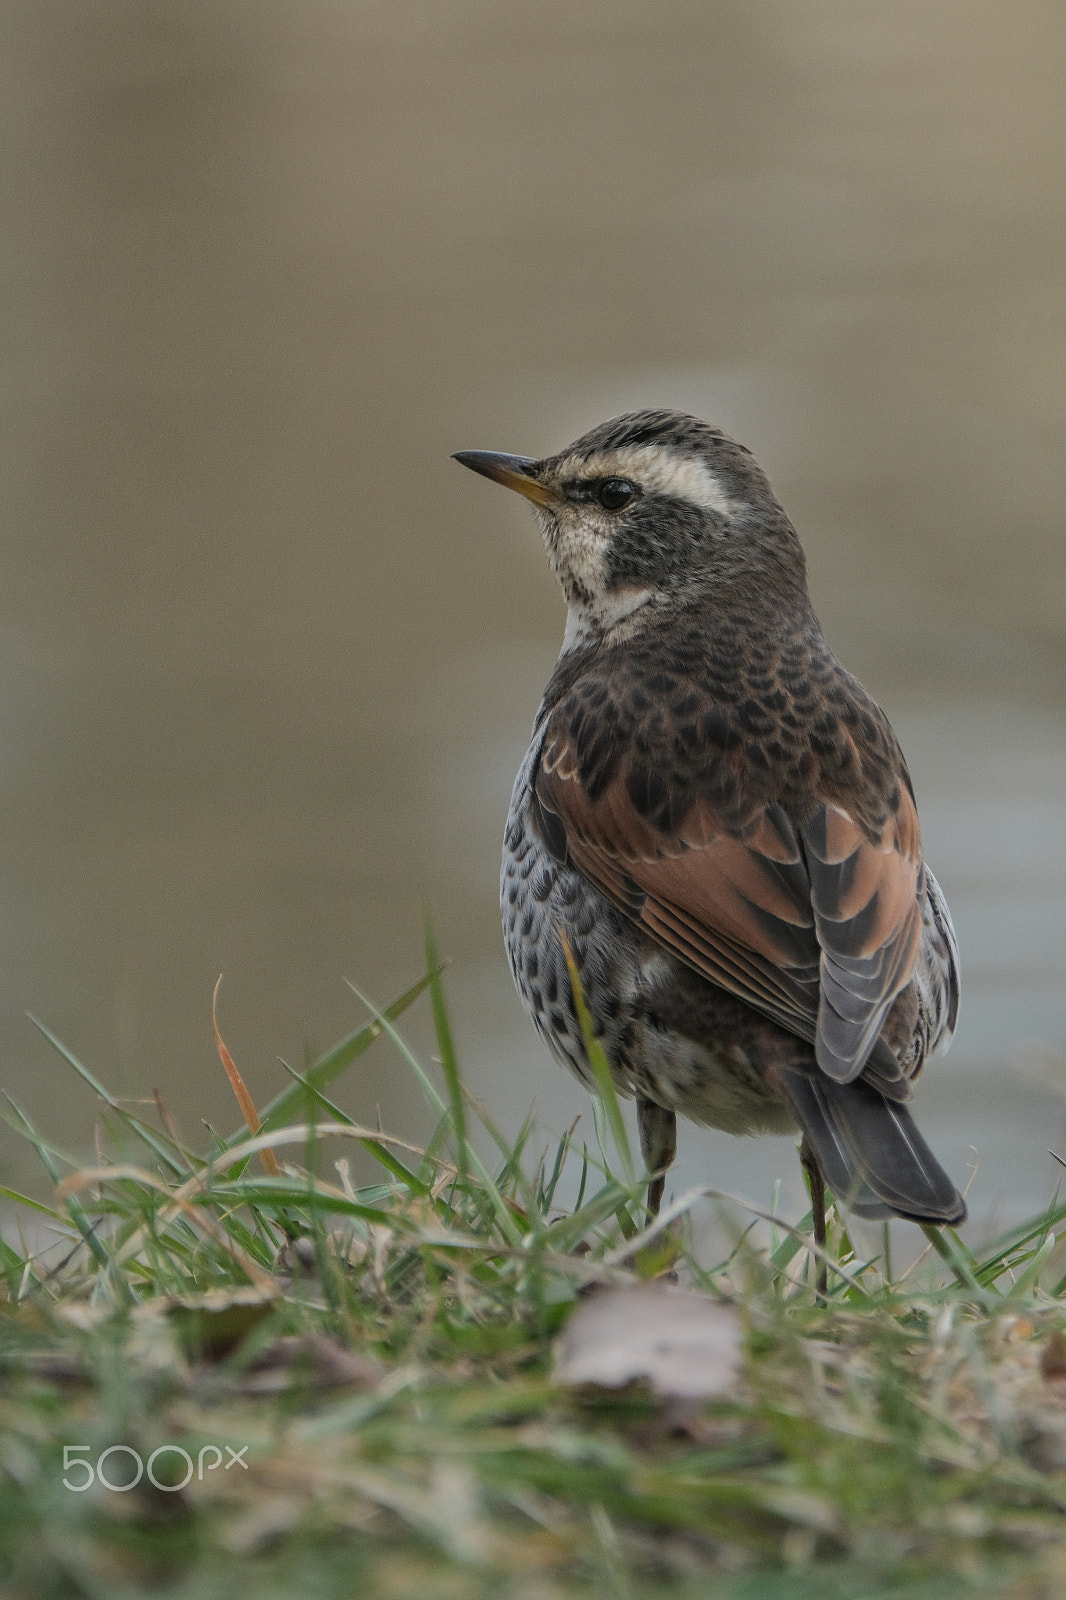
(614, 493)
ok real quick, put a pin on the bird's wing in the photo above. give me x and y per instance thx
(865, 896)
(817, 928)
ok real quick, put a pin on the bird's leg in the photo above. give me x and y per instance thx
(658, 1146)
(816, 1184)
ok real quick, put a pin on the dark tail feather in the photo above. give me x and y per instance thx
(870, 1151)
(808, 1102)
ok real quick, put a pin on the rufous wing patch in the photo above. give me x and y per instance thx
(736, 909)
(816, 927)
(865, 898)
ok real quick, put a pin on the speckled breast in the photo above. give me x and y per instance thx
(539, 898)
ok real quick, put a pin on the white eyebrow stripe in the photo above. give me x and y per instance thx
(656, 468)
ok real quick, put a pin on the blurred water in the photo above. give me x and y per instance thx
(269, 659)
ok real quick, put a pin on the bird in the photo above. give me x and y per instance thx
(715, 820)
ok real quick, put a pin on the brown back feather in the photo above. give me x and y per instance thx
(792, 881)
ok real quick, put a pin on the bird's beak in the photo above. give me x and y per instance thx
(514, 472)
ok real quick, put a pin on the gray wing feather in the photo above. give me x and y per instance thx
(936, 975)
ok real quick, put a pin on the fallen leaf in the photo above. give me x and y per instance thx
(682, 1343)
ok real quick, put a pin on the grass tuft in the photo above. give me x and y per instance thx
(377, 1355)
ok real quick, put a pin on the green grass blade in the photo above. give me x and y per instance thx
(81, 1220)
(597, 1058)
(562, 1150)
(34, 1205)
(790, 1245)
(160, 1144)
(446, 1046)
(503, 1214)
(512, 1167)
(1006, 1247)
(1027, 1279)
(330, 1066)
(951, 1250)
(267, 1193)
(381, 1154)
(12, 1263)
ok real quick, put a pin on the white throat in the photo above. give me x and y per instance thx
(603, 620)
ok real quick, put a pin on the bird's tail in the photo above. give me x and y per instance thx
(871, 1154)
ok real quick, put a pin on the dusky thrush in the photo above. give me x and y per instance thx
(719, 821)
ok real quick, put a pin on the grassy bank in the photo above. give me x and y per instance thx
(375, 1368)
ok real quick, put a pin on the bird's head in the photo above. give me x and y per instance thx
(649, 509)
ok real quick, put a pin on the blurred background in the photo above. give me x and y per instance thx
(268, 659)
